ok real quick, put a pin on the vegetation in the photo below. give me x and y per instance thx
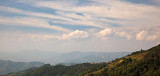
(61, 70)
(140, 63)
(7, 66)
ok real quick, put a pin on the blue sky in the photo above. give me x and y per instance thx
(79, 25)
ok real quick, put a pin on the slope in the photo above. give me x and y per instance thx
(140, 63)
(61, 70)
(7, 66)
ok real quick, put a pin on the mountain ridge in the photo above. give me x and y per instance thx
(8, 66)
(54, 58)
(139, 63)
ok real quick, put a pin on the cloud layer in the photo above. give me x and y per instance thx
(91, 21)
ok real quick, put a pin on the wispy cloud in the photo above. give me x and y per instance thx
(103, 8)
(29, 13)
(19, 36)
(31, 22)
(59, 18)
(87, 22)
(104, 13)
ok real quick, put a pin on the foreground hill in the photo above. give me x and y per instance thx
(7, 66)
(140, 63)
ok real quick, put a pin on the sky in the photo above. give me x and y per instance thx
(79, 25)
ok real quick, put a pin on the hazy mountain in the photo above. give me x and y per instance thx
(7, 66)
(81, 57)
(140, 63)
(56, 58)
(29, 56)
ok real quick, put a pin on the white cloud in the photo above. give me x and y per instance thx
(108, 32)
(141, 35)
(124, 34)
(20, 36)
(104, 33)
(76, 34)
(152, 37)
(144, 35)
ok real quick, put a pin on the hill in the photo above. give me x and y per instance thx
(61, 70)
(140, 63)
(7, 66)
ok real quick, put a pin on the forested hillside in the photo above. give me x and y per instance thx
(61, 70)
(140, 63)
(7, 66)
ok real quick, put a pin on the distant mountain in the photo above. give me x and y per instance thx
(54, 58)
(29, 55)
(83, 57)
(100, 57)
(7, 66)
(140, 63)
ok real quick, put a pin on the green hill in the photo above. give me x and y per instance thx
(140, 63)
(7, 66)
(61, 70)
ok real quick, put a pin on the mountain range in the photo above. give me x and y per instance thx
(139, 63)
(54, 58)
(7, 66)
